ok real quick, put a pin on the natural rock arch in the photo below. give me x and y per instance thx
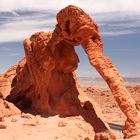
(45, 79)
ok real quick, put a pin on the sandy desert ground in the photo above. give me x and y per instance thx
(26, 126)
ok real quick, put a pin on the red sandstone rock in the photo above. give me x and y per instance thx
(3, 125)
(93, 90)
(14, 120)
(45, 81)
(137, 88)
(8, 109)
(6, 80)
(138, 104)
(1, 119)
(27, 116)
(75, 26)
(62, 123)
(104, 93)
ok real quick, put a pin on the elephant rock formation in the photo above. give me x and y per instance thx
(45, 81)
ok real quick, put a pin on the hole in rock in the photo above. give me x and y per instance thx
(87, 74)
(23, 103)
(68, 26)
(38, 97)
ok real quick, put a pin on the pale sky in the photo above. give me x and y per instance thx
(88, 5)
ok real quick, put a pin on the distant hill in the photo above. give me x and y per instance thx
(98, 81)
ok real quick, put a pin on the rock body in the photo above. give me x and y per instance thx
(6, 80)
(45, 81)
(7, 108)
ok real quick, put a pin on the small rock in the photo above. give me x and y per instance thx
(1, 96)
(3, 126)
(105, 94)
(62, 123)
(87, 138)
(37, 116)
(27, 116)
(1, 119)
(13, 120)
(32, 122)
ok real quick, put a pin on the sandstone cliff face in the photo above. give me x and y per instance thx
(6, 80)
(49, 85)
(7, 108)
(45, 81)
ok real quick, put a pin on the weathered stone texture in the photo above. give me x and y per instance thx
(45, 81)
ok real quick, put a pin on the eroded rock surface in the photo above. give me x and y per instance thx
(7, 108)
(45, 81)
(6, 80)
